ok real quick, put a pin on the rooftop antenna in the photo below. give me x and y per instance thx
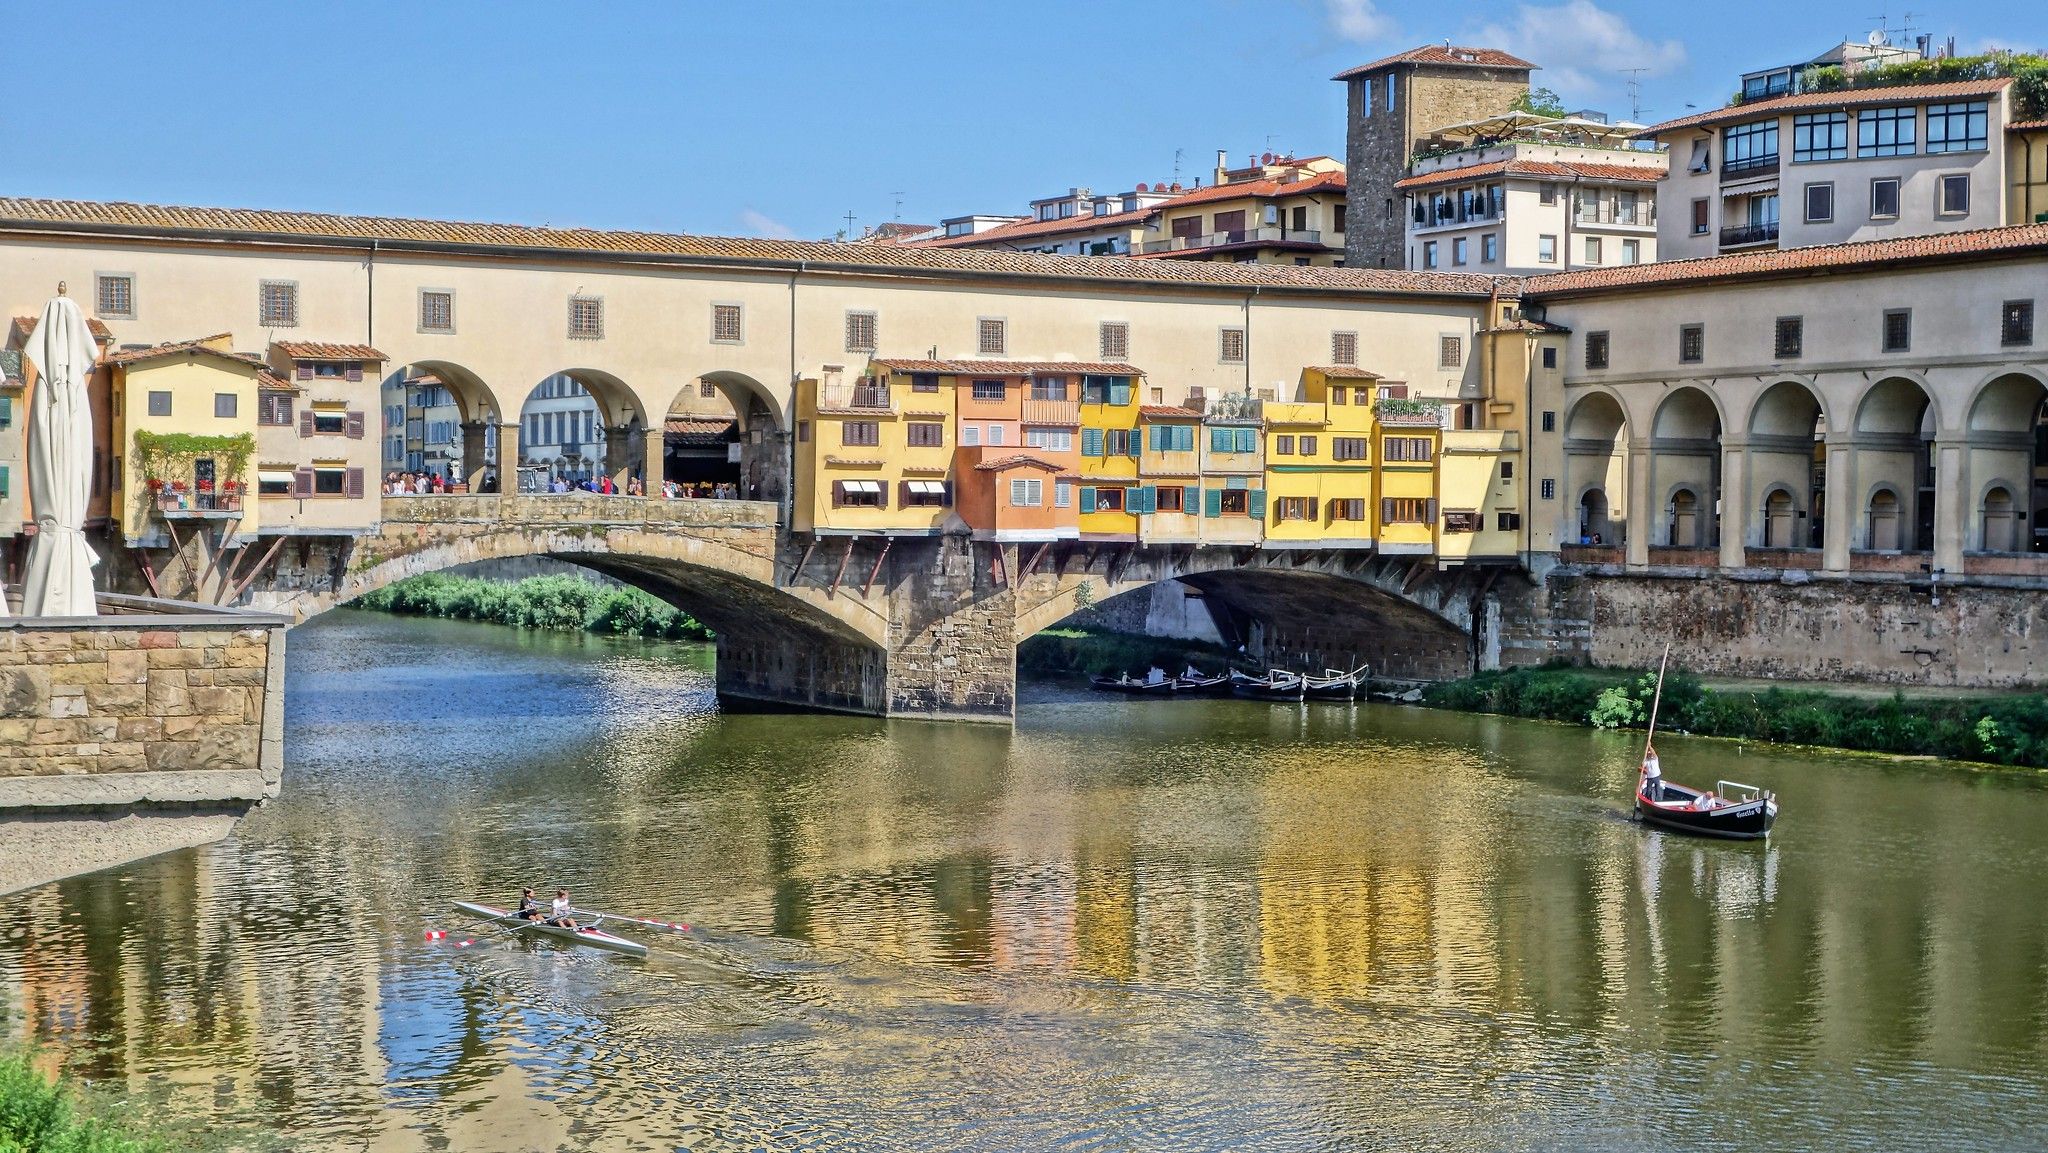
(849, 224)
(1176, 165)
(1635, 92)
(899, 207)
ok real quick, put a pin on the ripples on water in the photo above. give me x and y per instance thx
(1126, 925)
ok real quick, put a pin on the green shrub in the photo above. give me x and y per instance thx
(1615, 709)
(38, 1115)
(561, 603)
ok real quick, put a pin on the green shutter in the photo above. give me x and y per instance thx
(1091, 442)
(1255, 504)
(1219, 440)
(1157, 436)
(1212, 502)
(1087, 499)
(1247, 440)
(1145, 498)
(1190, 499)
(1186, 441)
(1119, 392)
(1131, 439)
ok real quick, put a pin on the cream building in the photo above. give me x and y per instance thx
(1525, 194)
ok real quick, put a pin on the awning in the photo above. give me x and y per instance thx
(273, 476)
(1758, 188)
(861, 486)
(927, 487)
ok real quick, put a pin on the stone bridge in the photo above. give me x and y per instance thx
(909, 626)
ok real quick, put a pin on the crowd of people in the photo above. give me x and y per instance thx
(417, 484)
(436, 484)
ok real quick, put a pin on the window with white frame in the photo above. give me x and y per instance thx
(1954, 194)
(1546, 250)
(1049, 439)
(1027, 492)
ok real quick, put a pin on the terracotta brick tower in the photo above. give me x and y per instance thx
(1392, 103)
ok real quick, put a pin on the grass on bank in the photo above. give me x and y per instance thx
(560, 603)
(2005, 730)
(1059, 652)
(41, 1115)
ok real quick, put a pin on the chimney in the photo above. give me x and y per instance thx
(1222, 166)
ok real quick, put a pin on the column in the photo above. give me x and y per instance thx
(654, 467)
(474, 460)
(506, 469)
(1640, 512)
(1839, 505)
(1951, 502)
(1733, 520)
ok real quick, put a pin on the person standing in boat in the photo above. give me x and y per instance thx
(529, 906)
(1653, 774)
(562, 912)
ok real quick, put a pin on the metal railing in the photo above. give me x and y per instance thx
(1749, 165)
(870, 396)
(1749, 234)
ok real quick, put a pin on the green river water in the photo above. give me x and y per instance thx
(1123, 925)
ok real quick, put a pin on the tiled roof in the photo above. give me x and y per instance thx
(268, 381)
(1844, 98)
(2027, 126)
(1982, 242)
(1560, 169)
(1346, 372)
(1169, 412)
(1007, 367)
(1527, 325)
(158, 351)
(1015, 460)
(1026, 229)
(26, 213)
(310, 350)
(1449, 55)
(1325, 182)
(707, 429)
(98, 327)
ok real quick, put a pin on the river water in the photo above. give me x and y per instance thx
(1124, 925)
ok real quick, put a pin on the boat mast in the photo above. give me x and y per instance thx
(1656, 700)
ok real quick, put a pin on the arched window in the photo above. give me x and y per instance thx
(1685, 519)
(1779, 517)
(1881, 527)
(2001, 521)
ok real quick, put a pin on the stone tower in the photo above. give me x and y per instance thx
(1392, 103)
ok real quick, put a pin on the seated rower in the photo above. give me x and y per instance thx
(563, 915)
(529, 906)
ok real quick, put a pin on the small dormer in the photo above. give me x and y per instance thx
(308, 362)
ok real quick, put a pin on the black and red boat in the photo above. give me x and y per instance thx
(1733, 810)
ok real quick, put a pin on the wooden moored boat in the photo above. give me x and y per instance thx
(1134, 686)
(1196, 684)
(1334, 685)
(1276, 685)
(581, 934)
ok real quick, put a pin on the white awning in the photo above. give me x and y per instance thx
(273, 476)
(928, 487)
(1758, 188)
(861, 486)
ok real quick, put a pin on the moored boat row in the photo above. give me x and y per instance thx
(1275, 685)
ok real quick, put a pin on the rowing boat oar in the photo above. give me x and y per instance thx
(650, 922)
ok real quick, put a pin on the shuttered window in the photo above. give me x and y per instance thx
(1407, 510)
(1091, 442)
(1352, 509)
(860, 433)
(927, 434)
(1406, 448)
(1027, 493)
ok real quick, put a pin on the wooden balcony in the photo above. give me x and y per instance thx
(1062, 412)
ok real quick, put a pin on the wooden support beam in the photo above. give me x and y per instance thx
(228, 575)
(251, 574)
(1419, 574)
(850, 542)
(178, 552)
(1035, 558)
(1066, 557)
(148, 571)
(1486, 586)
(1002, 566)
(887, 543)
(797, 573)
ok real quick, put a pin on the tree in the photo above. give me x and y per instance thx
(1541, 101)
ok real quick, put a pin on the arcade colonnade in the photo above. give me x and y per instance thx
(1833, 471)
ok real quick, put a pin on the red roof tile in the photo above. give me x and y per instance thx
(1448, 55)
(1007, 367)
(702, 428)
(1025, 229)
(1345, 372)
(2027, 126)
(1560, 169)
(98, 327)
(1016, 460)
(201, 344)
(1845, 98)
(1982, 242)
(312, 350)
(27, 214)
(268, 381)
(1169, 412)
(1326, 182)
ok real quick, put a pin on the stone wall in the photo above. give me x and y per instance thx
(152, 702)
(1796, 627)
(952, 621)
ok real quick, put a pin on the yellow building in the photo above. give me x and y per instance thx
(1110, 450)
(874, 453)
(1277, 211)
(203, 398)
(1408, 435)
(1233, 470)
(1319, 467)
(1170, 468)
(1480, 492)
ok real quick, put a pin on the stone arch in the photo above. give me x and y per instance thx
(1898, 403)
(475, 400)
(1786, 447)
(1685, 451)
(1884, 514)
(2008, 400)
(1596, 429)
(1687, 412)
(2006, 434)
(2001, 517)
(1896, 420)
(764, 434)
(459, 414)
(1779, 509)
(1684, 517)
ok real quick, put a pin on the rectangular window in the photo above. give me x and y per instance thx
(114, 295)
(1507, 470)
(992, 337)
(927, 434)
(1820, 136)
(1458, 250)
(437, 310)
(1957, 127)
(6, 412)
(1108, 500)
(989, 390)
(325, 421)
(1749, 147)
(1549, 489)
(274, 409)
(860, 332)
(1450, 352)
(1549, 420)
(1508, 521)
(1489, 248)
(1546, 193)
(1230, 346)
(725, 324)
(1702, 155)
(1699, 218)
(1049, 439)
(1462, 521)
(586, 317)
(1405, 510)
(1062, 494)
(1887, 131)
(1307, 445)
(1283, 445)
(1347, 448)
(1344, 348)
(159, 404)
(1429, 254)
(860, 433)
(706, 389)
(1954, 195)
(226, 405)
(330, 480)
(1592, 250)
(1820, 203)
(1791, 337)
(1405, 448)
(1884, 198)
(1114, 339)
(857, 494)
(1546, 249)
(1027, 493)
(970, 435)
(277, 304)
(1170, 498)
(1294, 508)
(925, 494)
(1692, 343)
(923, 382)
(1048, 388)
(995, 434)
(1631, 252)
(2016, 323)
(1898, 329)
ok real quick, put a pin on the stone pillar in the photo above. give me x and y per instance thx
(1640, 509)
(654, 467)
(1951, 502)
(1734, 512)
(622, 453)
(507, 466)
(952, 623)
(475, 462)
(1840, 509)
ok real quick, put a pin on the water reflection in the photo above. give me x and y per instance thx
(1124, 925)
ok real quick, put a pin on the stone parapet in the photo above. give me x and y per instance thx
(151, 702)
(579, 508)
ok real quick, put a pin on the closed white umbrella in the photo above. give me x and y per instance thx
(59, 579)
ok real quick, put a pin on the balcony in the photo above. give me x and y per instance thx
(1064, 412)
(178, 504)
(1747, 234)
(1640, 216)
(870, 396)
(1236, 407)
(1453, 218)
(1408, 411)
(1748, 166)
(1269, 234)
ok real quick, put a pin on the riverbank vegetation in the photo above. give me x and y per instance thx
(2005, 730)
(1061, 652)
(41, 1115)
(560, 603)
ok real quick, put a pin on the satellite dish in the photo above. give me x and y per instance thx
(1266, 158)
(1877, 38)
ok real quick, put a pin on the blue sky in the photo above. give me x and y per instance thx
(779, 118)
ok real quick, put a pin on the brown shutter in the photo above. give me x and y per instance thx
(947, 499)
(355, 426)
(903, 494)
(306, 422)
(352, 484)
(1315, 508)
(1429, 510)
(302, 483)
(1397, 392)
(355, 370)
(1386, 510)
(305, 371)
(838, 495)
(882, 497)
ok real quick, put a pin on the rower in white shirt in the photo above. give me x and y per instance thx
(562, 912)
